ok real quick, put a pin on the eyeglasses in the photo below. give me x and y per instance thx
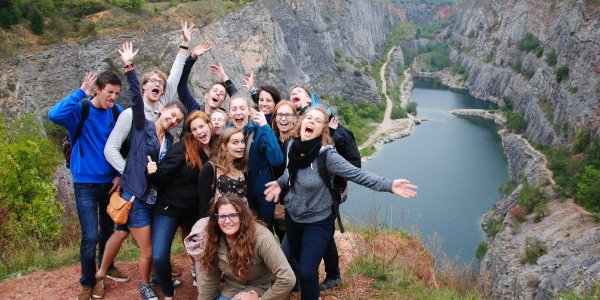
(282, 115)
(232, 217)
(154, 80)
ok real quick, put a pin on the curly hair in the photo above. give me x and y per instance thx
(192, 145)
(241, 253)
(220, 158)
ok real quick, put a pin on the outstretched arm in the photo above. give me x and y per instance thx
(183, 89)
(137, 107)
(170, 93)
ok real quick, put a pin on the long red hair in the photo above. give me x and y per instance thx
(192, 145)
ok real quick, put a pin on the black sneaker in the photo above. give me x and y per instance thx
(330, 283)
(154, 280)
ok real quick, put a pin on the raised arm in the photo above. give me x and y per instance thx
(137, 102)
(170, 93)
(249, 85)
(183, 89)
(220, 72)
(67, 112)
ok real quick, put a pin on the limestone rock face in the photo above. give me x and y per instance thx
(569, 232)
(489, 33)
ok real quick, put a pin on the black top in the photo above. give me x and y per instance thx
(177, 183)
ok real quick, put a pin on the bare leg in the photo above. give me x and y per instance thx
(113, 245)
(144, 240)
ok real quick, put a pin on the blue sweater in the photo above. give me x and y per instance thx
(92, 167)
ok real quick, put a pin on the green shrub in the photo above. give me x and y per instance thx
(534, 248)
(565, 168)
(29, 212)
(9, 15)
(459, 69)
(562, 73)
(493, 227)
(531, 197)
(527, 73)
(398, 112)
(539, 52)
(134, 6)
(588, 189)
(36, 22)
(551, 57)
(507, 188)
(482, 249)
(515, 121)
(529, 42)
(581, 141)
(412, 108)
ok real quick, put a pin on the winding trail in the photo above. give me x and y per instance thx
(388, 125)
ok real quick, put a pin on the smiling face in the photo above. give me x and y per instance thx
(107, 96)
(153, 88)
(299, 97)
(285, 119)
(201, 131)
(312, 125)
(219, 119)
(215, 96)
(169, 117)
(230, 225)
(266, 104)
(239, 112)
(235, 147)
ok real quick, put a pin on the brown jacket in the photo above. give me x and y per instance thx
(271, 275)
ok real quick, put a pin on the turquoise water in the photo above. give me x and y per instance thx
(458, 165)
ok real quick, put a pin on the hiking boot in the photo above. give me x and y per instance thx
(85, 293)
(115, 275)
(147, 292)
(98, 290)
(330, 283)
(154, 281)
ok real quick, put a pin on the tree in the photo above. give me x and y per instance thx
(29, 212)
(36, 22)
(588, 189)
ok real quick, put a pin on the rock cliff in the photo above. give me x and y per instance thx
(487, 40)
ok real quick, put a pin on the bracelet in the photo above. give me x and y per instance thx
(128, 68)
(184, 47)
(253, 91)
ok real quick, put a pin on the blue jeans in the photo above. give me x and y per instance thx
(163, 232)
(91, 200)
(285, 248)
(308, 243)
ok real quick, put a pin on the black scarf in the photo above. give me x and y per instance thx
(301, 155)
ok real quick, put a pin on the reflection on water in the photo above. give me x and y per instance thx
(458, 165)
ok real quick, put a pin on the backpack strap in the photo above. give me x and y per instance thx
(85, 112)
(324, 174)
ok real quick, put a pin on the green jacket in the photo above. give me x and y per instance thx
(271, 275)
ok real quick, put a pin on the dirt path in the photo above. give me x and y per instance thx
(388, 125)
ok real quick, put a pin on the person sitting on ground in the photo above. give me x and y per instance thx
(244, 254)
(149, 141)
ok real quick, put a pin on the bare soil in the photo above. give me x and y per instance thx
(63, 283)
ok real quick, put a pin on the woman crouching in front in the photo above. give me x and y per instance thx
(244, 253)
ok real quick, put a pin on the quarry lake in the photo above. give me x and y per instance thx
(458, 164)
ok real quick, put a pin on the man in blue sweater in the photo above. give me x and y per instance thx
(94, 179)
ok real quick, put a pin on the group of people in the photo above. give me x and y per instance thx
(219, 183)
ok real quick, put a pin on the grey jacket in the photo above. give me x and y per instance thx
(310, 200)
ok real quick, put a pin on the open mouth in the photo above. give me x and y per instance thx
(295, 99)
(309, 130)
(155, 92)
(215, 99)
(204, 138)
(239, 120)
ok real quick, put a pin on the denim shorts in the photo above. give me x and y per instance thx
(140, 215)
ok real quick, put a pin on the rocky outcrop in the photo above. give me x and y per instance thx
(486, 43)
(570, 233)
(498, 118)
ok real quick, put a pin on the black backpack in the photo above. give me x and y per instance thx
(68, 145)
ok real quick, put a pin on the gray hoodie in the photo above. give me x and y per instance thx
(311, 201)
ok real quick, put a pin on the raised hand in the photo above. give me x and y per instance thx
(186, 32)
(260, 119)
(151, 167)
(249, 81)
(201, 49)
(272, 191)
(89, 80)
(219, 72)
(403, 188)
(127, 53)
(334, 123)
